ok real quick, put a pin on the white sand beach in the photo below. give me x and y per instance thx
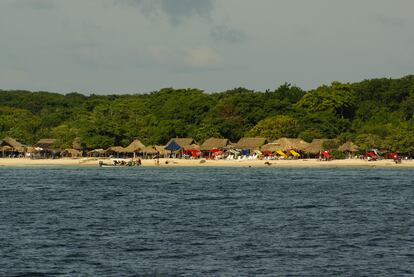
(13, 162)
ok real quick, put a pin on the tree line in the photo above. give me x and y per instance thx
(372, 113)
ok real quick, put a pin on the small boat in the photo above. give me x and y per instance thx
(116, 164)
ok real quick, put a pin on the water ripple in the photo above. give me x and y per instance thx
(206, 221)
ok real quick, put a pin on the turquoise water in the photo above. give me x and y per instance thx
(206, 221)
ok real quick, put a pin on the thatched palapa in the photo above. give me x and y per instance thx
(97, 152)
(10, 144)
(150, 150)
(180, 144)
(271, 147)
(214, 143)
(161, 150)
(6, 148)
(285, 144)
(192, 147)
(73, 153)
(117, 149)
(250, 143)
(46, 143)
(348, 146)
(316, 146)
(155, 149)
(135, 147)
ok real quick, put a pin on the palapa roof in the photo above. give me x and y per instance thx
(316, 146)
(192, 147)
(97, 151)
(160, 149)
(155, 149)
(348, 146)
(150, 150)
(214, 143)
(291, 143)
(11, 142)
(72, 152)
(250, 143)
(272, 147)
(182, 142)
(135, 146)
(45, 143)
(31, 149)
(6, 148)
(117, 149)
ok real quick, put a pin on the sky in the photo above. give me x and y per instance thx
(138, 46)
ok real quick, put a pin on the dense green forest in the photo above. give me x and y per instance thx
(372, 113)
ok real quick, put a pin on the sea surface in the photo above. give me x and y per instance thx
(206, 222)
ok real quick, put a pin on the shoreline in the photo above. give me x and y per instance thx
(305, 163)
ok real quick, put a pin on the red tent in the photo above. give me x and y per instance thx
(193, 152)
(391, 155)
(267, 153)
(326, 154)
(215, 152)
(372, 155)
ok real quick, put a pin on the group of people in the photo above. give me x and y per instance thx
(137, 162)
(128, 163)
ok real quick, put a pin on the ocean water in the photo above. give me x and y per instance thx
(206, 222)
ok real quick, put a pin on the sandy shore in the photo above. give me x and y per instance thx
(207, 163)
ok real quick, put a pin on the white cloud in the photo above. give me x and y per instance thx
(202, 57)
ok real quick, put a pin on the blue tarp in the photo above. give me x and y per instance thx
(245, 152)
(172, 146)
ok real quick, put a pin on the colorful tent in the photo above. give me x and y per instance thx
(172, 146)
(294, 153)
(193, 152)
(326, 154)
(281, 153)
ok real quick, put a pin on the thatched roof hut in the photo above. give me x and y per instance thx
(271, 147)
(155, 149)
(13, 144)
(6, 148)
(151, 150)
(192, 147)
(180, 143)
(183, 142)
(117, 149)
(316, 146)
(135, 146)
(291, 143)
(161, 149)
(214, 143)
(250, 143)
(349, 146)
(47, 143)
(71, 153)
(31, 150)
(97, 152)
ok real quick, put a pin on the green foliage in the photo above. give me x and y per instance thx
(65, 135)
(337, 154)
(331, 144)
(275, 127)
(338, 98)
(372, 113)
(310, 134)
